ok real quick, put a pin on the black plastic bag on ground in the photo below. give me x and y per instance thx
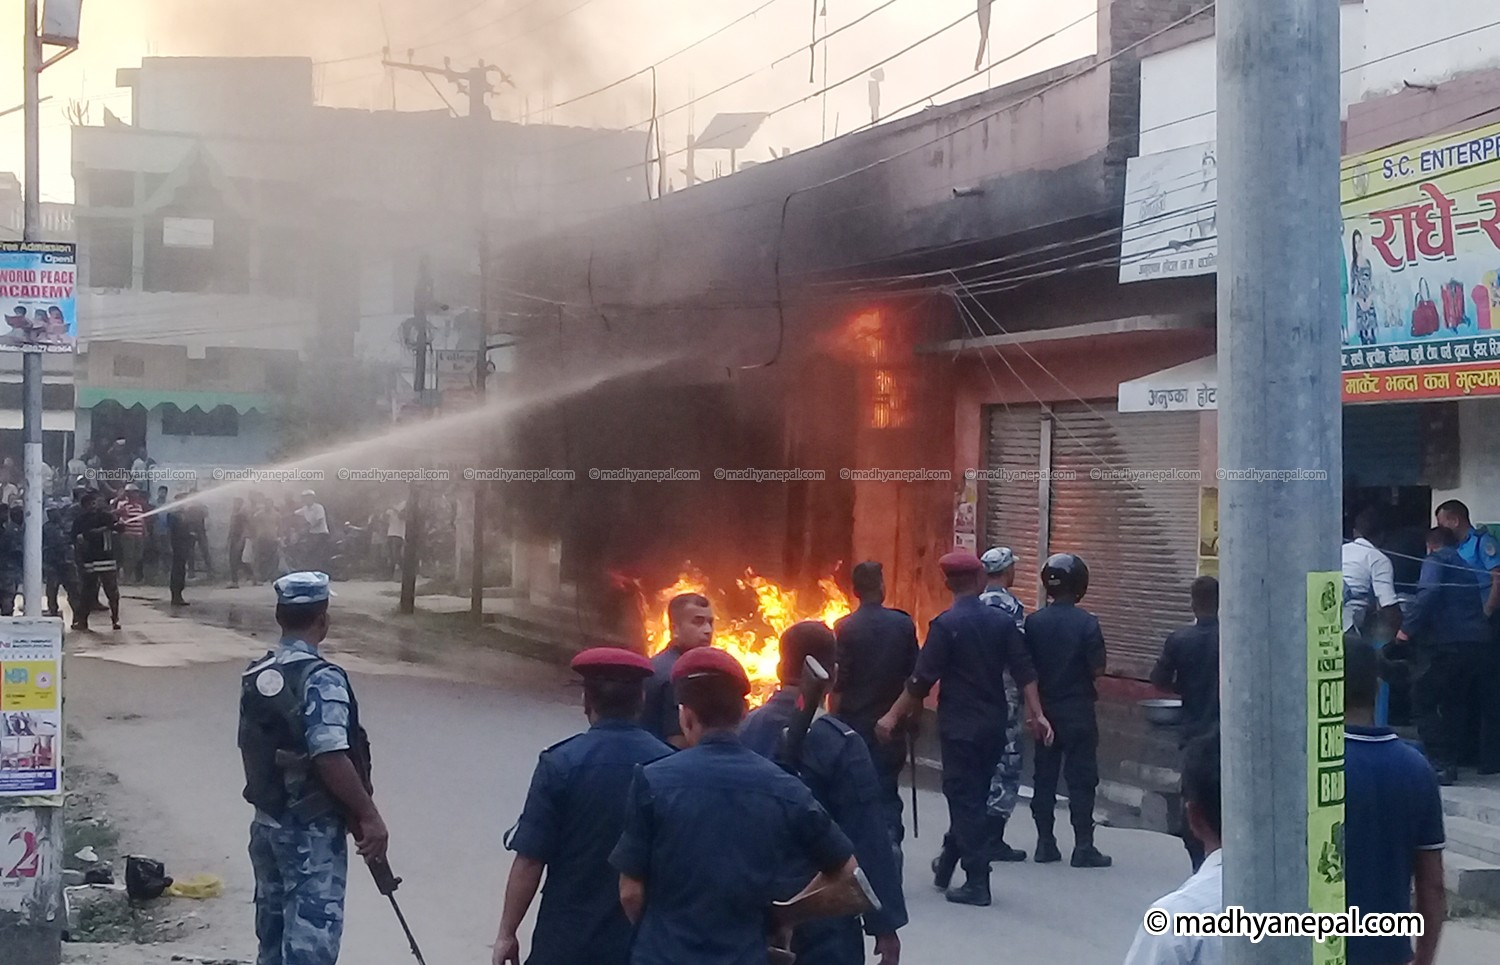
(145, 878)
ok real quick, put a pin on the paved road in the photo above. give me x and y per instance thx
(157, 705)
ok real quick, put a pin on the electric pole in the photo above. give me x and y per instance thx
(1279, 409)
(475, 82)
(412, 550)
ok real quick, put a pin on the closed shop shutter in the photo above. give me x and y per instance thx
(1013, 456)
(1383, 444)
(1139, 537)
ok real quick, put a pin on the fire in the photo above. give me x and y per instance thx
(753, 638)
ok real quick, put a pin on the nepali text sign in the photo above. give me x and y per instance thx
(1421, 259)
(30, 707)
(1171, 223)
(1325, 755)
(38, 286)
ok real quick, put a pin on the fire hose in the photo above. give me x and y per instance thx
(386, 883)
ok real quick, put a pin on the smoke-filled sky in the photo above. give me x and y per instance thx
(558, 49)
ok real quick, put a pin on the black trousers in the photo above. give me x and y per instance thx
(178, 579)
(1457, 705)
(968, 766)
(1074, 755)
(110, 581)
(889, 760)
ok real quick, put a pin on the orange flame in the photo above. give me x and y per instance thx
(753, 638)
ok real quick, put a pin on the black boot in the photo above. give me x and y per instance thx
(998, 849)
(944, 863)
(976, 890)
(1085, 855)
(1046, 849)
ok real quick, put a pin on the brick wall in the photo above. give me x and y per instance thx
(1121, 24)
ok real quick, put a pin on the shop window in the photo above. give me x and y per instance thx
(129, 367)
(223, 421)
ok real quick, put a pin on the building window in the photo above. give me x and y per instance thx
(130, 367)
(223, 421)
(109, 248)
(187, 232)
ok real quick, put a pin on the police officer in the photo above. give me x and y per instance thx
(877, 651)
(307, 772)
(57, 561)
(712, 833)
(1005, 786)
(836, 767)
(572, 820)
(1067, 648)
(969, 648)
(690, 620)
(12, 528)
(94, 533)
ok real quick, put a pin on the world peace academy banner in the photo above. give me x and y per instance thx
(1421, 258)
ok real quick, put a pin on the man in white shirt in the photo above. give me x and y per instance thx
(1203, 893)
(1370, 605)
(395, 537)
(318, 538)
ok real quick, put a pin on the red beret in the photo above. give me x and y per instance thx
(958, 564)
(710, 662)
(612, 662)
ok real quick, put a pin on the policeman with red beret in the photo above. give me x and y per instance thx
(712, 832)
(969, 647)
(572, 819)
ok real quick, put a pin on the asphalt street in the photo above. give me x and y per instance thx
(156, 705)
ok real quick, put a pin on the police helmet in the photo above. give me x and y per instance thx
(998, 560)
(1067, 574)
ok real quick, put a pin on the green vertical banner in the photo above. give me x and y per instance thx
(1325, 755)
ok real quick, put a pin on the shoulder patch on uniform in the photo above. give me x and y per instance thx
(270, 682)
(1488, 546)
(838, 725)
(565, 740)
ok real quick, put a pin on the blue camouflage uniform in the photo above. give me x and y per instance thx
(1480, 550)
(837, 768)
(572, 820)
(301, 863)
(1005, 786)
(714, 831)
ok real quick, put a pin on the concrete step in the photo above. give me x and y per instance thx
(1473, 839)
(1471, 879)
(1475, 803)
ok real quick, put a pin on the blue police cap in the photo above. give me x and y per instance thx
(295, 589)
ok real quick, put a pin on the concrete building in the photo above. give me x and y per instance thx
(238, 240)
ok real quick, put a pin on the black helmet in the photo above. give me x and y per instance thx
(1067, 574)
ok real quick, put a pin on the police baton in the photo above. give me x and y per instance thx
(911, 754)
(386, 883)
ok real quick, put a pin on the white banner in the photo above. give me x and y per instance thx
(1171, 227)
(60, 20)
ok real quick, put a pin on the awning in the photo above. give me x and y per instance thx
(242, 402)
(52, 420)
(1192, 386)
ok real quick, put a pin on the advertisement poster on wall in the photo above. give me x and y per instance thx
(30, 707)
(38, 282)
(1421, 257)
(1171, 222)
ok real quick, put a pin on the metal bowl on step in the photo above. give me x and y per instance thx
(1163, 711)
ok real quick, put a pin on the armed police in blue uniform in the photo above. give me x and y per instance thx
(833, 762)
(1005, 787)
(307, 771)
(712, 833)
(573, 817)
(1481, 551)
(1067, 648)
(877, 651)
(690, 620)
(970, 646)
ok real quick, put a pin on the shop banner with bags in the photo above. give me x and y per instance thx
(1421, 257)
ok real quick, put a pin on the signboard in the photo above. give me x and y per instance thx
(60, 20)
(38, 282)
(966, 519)
(1171, 227)
(1325, 755)
(455, 368)
(1421, 257)
(27, 856)
(30, 707)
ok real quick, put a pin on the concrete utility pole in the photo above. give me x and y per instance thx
(412, 549)
(31, 371)
(1279, 409)
(476, 83)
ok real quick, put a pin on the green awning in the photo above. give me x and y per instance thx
(242, 402)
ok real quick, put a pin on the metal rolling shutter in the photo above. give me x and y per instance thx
(1011, 505)
(1139, 538)
(1383, 444)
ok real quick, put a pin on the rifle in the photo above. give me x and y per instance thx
(843, 897)
(386, 883)
(812, 689)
